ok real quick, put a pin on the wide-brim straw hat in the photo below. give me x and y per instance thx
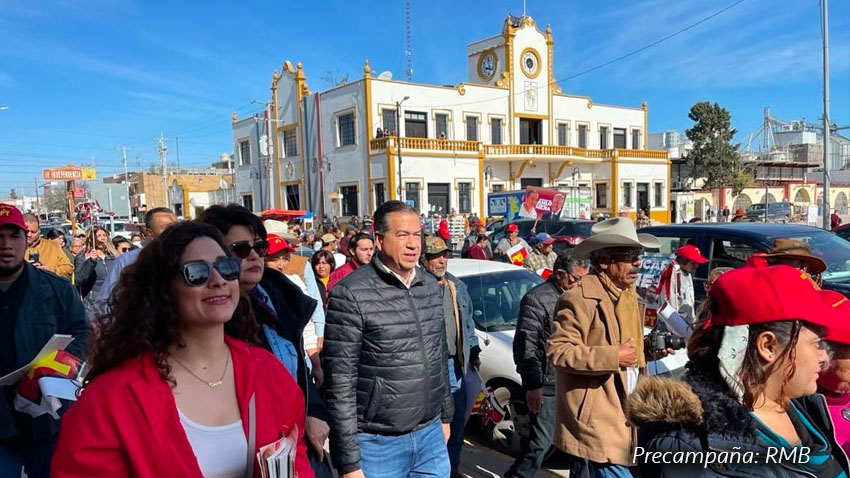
(614, 232)
(799, 250)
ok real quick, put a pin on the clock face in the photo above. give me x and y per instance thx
(530, 61)
(487, 65)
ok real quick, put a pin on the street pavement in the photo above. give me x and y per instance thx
(478, 461)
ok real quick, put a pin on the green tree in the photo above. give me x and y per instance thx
(714, 158)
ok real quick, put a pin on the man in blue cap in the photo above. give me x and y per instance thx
(542, 257)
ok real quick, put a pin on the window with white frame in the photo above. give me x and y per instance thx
(245, 152)
(620, 138)
(659, 194)
(562, 134)
(635, 139)
(497, 187)
(345, 129)
(582, 136)
(464, 197)
(496, 130)
(248, 202)
(472, 128)
(603, 137)
(441, 121)
(601, 195)
(411, 194)
(627, 194)
(290, 143)
(388, 121)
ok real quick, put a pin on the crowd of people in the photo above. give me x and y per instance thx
(209, 339)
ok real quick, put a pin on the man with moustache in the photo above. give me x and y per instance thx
(35, 304)
(555, 209)
(597, 349)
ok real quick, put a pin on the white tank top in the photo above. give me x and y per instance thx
(221, 451)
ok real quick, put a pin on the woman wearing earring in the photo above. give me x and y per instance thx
(749, 392)
(174, 389)
(92, 265)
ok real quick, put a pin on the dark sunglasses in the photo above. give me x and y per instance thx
(123, 249)
(242, 249)
(627, 256)
(197, 274)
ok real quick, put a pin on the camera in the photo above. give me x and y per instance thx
(33, 257)
(663, 340)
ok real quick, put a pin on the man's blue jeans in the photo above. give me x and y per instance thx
(541, 430)
(583, 468)
(34, 458)
(418, 454)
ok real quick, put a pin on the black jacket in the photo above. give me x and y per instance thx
(698, 414)
(294, 309)
(50, 306)
(533, 328)
(384, 358)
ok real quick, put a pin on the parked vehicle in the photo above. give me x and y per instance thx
(496, 290)
(567, 233)
(776, 211)
(843, 231)
(731, 244)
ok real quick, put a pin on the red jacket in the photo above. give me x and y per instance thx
(125, 423)
(341, 272)
(477, 252)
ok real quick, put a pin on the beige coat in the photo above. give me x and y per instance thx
(590, 387)
(50, 255)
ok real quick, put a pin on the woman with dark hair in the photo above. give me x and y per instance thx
(92, 265)
(174, 388)
(749, 392)
(323, 263)
(282, 309)
(58, 236)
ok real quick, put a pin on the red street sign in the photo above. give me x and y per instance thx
(111, 213)
(79, 193)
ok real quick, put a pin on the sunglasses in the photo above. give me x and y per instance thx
(123, 249)
(242, 249)
(627, 256)
(197, 274)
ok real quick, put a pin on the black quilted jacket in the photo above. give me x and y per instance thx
(533, 328)
(385, 359)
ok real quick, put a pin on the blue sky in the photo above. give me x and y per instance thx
(84, 76)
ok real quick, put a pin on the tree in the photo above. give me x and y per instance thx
(335, 78)
(714, 158)
(13, 194)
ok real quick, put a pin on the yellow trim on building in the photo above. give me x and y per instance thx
(275, 140)
(645, 123)
(301, 91)
(615, 185)
(367, 91)
(531, 116)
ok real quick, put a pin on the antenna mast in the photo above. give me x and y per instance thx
(408, 53)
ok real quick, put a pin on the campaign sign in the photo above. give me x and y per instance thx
(541, 203)
(651, 267)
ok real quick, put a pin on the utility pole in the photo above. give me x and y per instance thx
(37, 206)
(127, 183)
(177, 149)
(825, 28)
(164, 169)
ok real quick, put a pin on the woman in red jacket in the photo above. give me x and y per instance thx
(174, 390)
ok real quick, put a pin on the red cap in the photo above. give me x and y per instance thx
(11, 216)
(512, 228)
(752, 295)
(841, 305)
(758, 259)
(278, 244)
(691, 253)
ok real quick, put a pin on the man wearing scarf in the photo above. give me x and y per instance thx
(597, 349)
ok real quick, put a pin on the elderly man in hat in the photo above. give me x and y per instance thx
(795, 253)
(462, 342)
(597, 349)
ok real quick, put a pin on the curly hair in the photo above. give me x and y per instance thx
(143, 311)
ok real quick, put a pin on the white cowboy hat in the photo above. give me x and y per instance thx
(279, 228)
(614, 232)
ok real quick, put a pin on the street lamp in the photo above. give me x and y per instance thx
(398, 140)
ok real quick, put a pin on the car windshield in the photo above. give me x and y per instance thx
(832, 249)
(581, 229)
(496, 297)
(757, 207)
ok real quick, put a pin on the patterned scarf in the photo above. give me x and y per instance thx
(628, 314)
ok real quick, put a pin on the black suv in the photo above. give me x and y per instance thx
(731, 244)
(568, 233)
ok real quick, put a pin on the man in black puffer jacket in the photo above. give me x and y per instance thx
(533, 328)
(386, 376)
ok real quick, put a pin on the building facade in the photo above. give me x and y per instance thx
(441, 148)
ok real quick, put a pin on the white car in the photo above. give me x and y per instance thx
(496, 289)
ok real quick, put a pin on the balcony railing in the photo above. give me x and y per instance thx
(436, 144)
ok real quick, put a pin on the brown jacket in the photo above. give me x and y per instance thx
(590, 385)
(50, 255)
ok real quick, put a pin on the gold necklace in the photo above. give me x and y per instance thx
(209, 384)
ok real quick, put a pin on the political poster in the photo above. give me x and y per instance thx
(651, 267)
(541, 203)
